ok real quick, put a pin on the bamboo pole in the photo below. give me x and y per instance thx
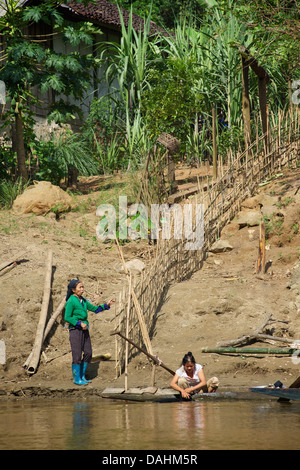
(137, 305)
(289, 351)
(215, 150)
(33, 360)
(54, 316)
(153, 358)
(127, 331)
(262, 249)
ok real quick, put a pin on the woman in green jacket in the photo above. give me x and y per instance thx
(76, 315)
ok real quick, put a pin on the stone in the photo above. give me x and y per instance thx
(221, 246)
(249, 218)
(135, 265)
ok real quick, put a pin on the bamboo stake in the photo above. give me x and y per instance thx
(137, 305)
(127, 331)
(33, 360)
(262, 249)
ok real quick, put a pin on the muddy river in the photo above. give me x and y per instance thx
(105, 424)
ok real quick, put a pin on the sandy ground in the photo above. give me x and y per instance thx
(223, 301)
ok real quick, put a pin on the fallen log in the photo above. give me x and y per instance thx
(256, 335)
(33, 359)
(8, 269)
(12, 261)
(289, 351)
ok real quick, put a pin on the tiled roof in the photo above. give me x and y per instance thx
(103, 12)
(107, 13)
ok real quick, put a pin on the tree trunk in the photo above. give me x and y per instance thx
(20, 147)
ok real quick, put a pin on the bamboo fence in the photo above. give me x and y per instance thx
(221, 199)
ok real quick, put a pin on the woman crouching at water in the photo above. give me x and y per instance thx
(76, 315)
(190, 378)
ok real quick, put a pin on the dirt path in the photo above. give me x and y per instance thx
(222, 301)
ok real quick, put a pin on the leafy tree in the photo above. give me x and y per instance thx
(28, 62)
(166, 13)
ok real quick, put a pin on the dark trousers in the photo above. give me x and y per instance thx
(80, 343)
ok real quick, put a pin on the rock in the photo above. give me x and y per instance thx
(267, 200)
(41, 198)
(135, 265)
(249, 218)
(260, 200)
(220, 246)
(251, 203)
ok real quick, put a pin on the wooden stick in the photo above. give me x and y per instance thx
(127, 330)
(257, 334)
(54, 317)
(153, 358)
(262, 249)
(14, 260)
(8, 269)
(137, 306)
(34, 357)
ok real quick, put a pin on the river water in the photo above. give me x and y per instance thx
(117, 425)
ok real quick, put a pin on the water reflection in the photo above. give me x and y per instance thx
(115, 425)
(82, 425)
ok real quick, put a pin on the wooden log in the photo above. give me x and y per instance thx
(261, 262)
(8, 269)
(288, 351)
(127, 331)
(11, 261)
(255, 335)
(54, 317)
(33, 360)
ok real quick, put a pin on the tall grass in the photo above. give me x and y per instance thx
(9, 190)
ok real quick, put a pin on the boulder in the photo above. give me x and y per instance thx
(221, 246)
(41, 198)
(249, 218)
(135, 265)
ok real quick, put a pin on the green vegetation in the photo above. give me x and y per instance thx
(169, 82)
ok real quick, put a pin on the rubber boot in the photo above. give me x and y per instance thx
(83, 367)
(76, 375)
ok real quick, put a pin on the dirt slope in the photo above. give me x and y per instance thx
(224, 300)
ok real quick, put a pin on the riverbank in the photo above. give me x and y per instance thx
(224, 300)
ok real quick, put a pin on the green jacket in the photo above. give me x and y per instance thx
(76, 311)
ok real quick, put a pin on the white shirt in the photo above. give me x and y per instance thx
(190, 380)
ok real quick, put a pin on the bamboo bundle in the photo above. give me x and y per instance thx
(33, 359)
